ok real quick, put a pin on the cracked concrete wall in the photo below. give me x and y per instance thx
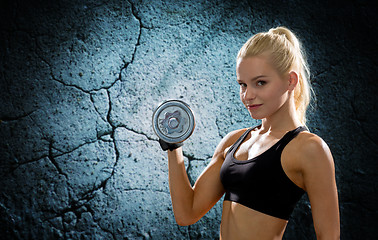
(79, 81)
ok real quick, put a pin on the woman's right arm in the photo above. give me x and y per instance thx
(191, 203)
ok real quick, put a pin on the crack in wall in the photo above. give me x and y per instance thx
(91, 211)
(54, 162)
(88, 195)
(96, 109)
(17, 164)
(190, 177)
(139, 133)
(53, 77)
(103, 184)
(191, 158)
(219, 129)
(133, 11)
(108, 118)
(73, 206)
(51, 155)
(144, 190)
(15, 118)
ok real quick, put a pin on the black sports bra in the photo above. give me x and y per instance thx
(260, 183)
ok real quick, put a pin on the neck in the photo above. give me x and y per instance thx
(285, 119)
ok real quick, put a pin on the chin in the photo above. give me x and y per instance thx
(256, 116)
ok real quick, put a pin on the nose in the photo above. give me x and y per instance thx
(249, 93)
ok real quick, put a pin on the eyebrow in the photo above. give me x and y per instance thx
(255, 78)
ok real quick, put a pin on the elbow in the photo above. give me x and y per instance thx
(184, 220)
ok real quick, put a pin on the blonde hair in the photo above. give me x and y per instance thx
(286, 54)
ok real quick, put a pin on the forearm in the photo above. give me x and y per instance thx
(334, 236)
(328, 230)
(182, 193)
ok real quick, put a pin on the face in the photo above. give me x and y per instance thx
(262, 90)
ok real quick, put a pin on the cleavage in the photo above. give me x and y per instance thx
(254, 146)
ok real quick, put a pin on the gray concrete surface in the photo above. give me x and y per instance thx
(79, 81)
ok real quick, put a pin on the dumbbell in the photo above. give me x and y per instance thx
(173, 121)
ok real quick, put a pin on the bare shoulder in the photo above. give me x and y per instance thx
(311, 150)
(234, 135)
(310, 144)
(228, 141)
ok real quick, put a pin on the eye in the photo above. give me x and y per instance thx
(260, 83)
(242, 85)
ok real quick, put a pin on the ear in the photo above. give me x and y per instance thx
(293, 80)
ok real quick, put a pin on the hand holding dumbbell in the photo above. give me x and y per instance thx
(173, 122)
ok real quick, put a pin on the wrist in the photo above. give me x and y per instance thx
(169, 146)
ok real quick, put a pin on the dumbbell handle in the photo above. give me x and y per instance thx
(169, 146)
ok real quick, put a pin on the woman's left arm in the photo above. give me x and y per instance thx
(318, 171)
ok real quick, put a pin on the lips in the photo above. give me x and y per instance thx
(253, 106)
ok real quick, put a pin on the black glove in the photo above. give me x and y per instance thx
(171, 146)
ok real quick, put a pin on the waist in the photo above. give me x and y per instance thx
(241, 222)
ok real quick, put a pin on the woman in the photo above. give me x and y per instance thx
(264, 170)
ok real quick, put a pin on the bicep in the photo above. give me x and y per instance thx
(320, 185)
(208, 188)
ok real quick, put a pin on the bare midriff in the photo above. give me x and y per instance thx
(242, 223)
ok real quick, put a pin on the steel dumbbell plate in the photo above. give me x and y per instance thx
(173, 121)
